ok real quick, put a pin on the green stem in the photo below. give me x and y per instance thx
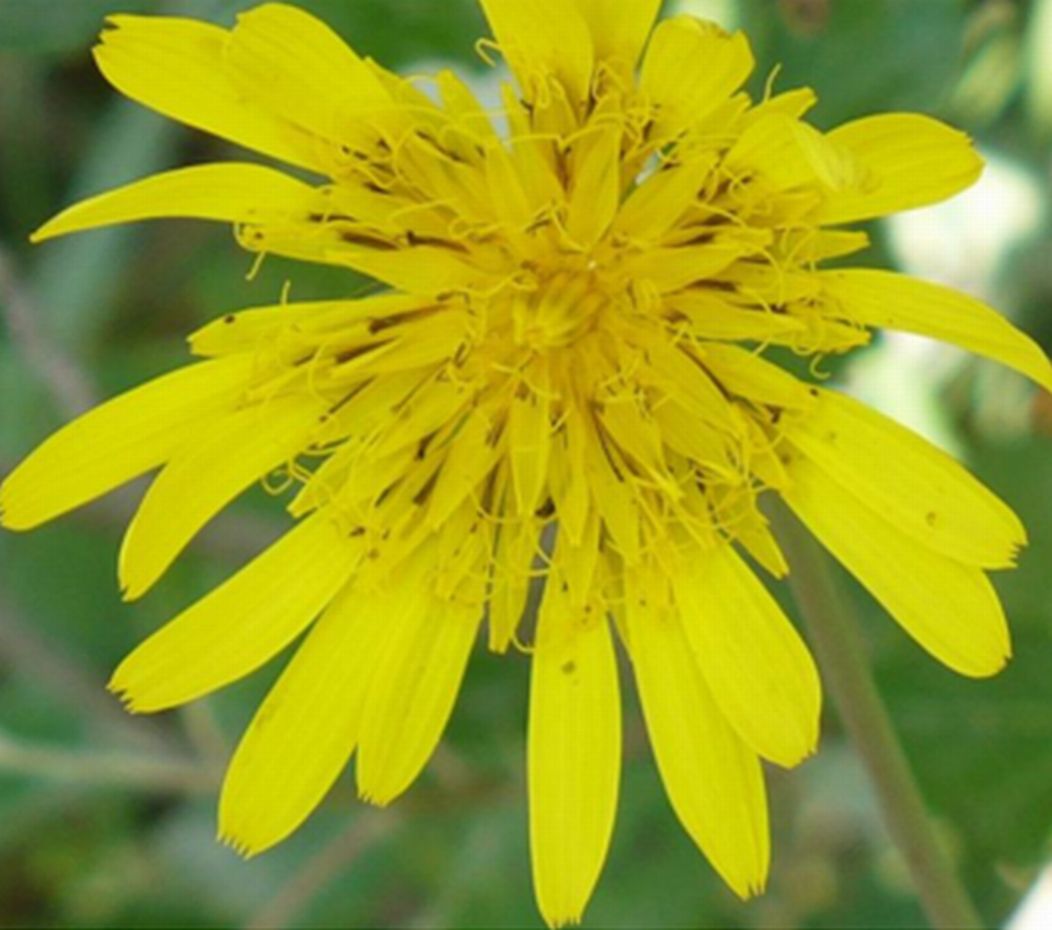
(841, 656)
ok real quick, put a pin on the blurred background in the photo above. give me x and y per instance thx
(108, 820)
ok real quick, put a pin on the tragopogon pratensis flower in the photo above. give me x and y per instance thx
(584, 292)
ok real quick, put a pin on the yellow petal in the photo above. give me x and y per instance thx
(713, 780)
(613, 494)
(951, 609)
(815, 245)
(470, 117)
(681, 432)
(471, 456)
(175, 66)
(223, 459)
(567, 480)
(761, 545)
(894, 301)
(712, 317)
(679, 375)
(305, 731)
(533, 158)
(751, 376)
(423, 270)
(691, 67)
(514, 551)
(242, 623)
(410, 344)
(574, 763)
(768, 283)
(794, 103)
(438, 176)
(596, 190)
(673, 268)
(755, 663)
(232, 192)
(654, 206)
(577, 564)
(415, 682)
(246, 330)
(529, 448)
(756, 539)
(541, 39)
(916, 486)
(508, 191)
(425, 412)
(790, 153)
(119, 440)
(906, 160)
(619, 30)
(298, 68)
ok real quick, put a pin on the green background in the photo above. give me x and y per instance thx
(107, 820)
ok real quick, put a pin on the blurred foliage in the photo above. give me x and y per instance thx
(108, 821)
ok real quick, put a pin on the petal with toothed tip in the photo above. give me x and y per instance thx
(713, 780)
(305, 731)
(244, 622)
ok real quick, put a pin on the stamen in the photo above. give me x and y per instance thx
(257, 265)
(483, 46)
(768, 87)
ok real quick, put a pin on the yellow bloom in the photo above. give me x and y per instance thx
(574, 339)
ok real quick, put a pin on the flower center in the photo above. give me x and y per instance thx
(557, 304)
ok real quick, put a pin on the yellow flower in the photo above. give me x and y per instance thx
(568, 378)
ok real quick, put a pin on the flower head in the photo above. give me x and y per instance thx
(568, 378)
